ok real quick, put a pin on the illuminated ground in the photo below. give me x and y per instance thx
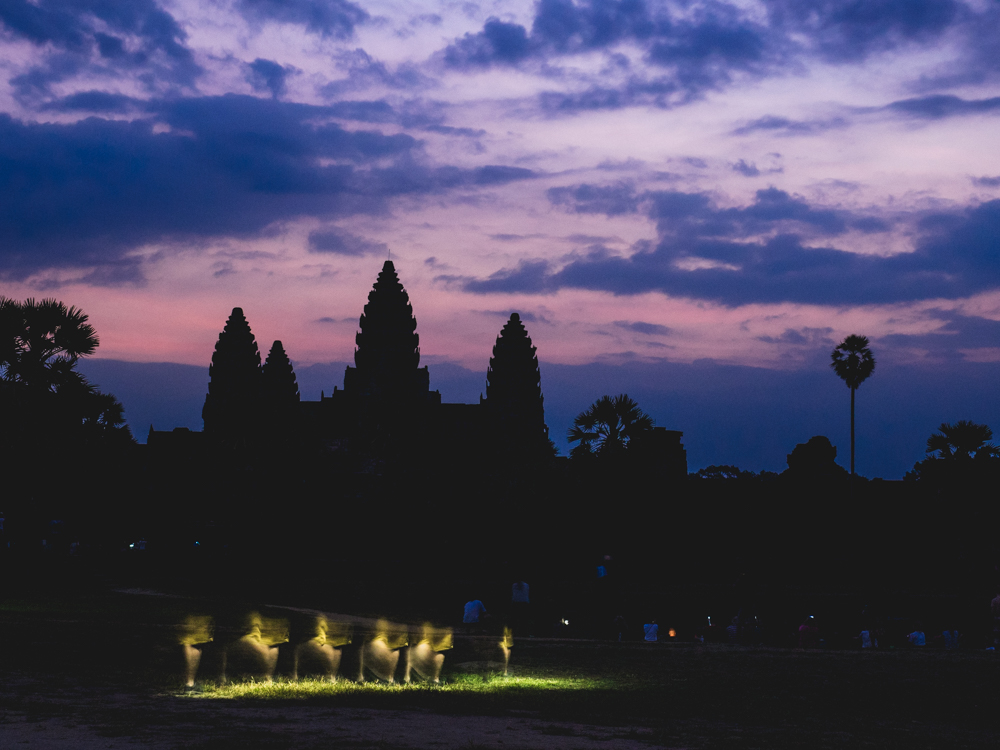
(99, 675)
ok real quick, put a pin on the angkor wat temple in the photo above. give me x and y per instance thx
(385, 414)
(385, 442)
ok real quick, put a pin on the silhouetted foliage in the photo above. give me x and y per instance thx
(962, 441)
(854, 363)
(607, 427)
(42, 342)
(44, 396)
(815, 460)
(514, 393)
(958, 452)
(233, 401)
(724, 472)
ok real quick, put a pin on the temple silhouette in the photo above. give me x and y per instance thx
(385, 418)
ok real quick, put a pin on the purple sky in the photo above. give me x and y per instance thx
(652, 185)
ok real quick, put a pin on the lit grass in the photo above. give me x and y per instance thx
(495, 685)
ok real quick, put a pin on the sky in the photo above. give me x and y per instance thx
(690, 201)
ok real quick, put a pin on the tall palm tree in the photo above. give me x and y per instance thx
(607, 427)
(853, 362)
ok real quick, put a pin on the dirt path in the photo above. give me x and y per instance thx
(65, 713)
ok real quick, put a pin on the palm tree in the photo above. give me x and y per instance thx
(961, 441)
(41, 343)
(607, 427)
(853, 362)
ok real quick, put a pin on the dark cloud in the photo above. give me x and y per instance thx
(344, 243)
(495, 174)
(986, 181)
(527, 317)
(941, 106)
(267, 75)
(705, 51)
(498, 43)
(71, 32)
(331, 18)
(85, 194)
(513, 237)
(364, 72)
(784, 126)
(612, 200)
(851, 30)
(463, 132)
(738, 256)
(745, 169)
(955, 333)
(96, 101)
(647, 329)
(529, 277)
(801, 337)
(700, 49)
(656, 92)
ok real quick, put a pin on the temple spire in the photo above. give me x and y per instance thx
(233, 396)
(513, 389)
(387, 357)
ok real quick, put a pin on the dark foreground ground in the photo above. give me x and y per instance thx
(103, 671)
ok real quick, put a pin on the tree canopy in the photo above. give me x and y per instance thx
(608, 426)
(40, 343)
(45, 396)
(853, 361)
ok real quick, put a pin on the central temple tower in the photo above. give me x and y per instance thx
(387, 368)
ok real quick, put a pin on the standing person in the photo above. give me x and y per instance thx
(809, 633)
(917, 637)
(733, 631)
(995, 611)
(951, 638)
(620, 627)
(474, 614)
(652, 631)
(519, 608)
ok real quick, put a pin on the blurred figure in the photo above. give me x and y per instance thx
(381, 653)
(733, 631)
(652, 632)
(194, 631)
(917, 637)
(809, 633)
(505, 646)
(951, 638)
(474, 615)
(619, 628)
(323, 647)
(995, 610)
(868, 639)
(425, 657)
(257, 650)
(519, 608)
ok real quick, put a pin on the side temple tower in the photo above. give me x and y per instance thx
(514, 404)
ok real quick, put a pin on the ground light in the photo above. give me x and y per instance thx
(496, 684)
